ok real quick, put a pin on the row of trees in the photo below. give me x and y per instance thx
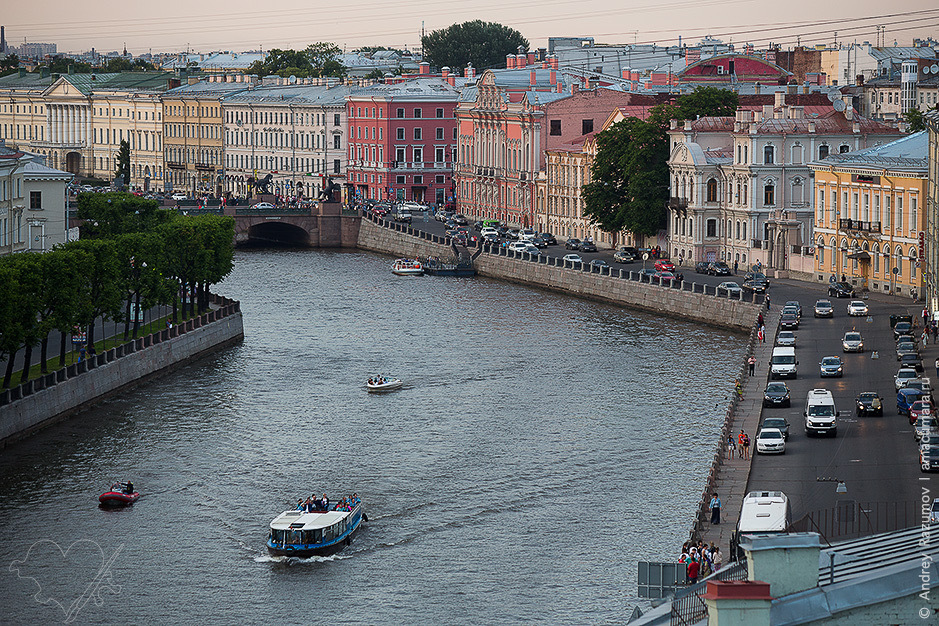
(132, 255)
(317, 60)
(629, 188)
(61, 65)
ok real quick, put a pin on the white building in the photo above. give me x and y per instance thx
(45, 200)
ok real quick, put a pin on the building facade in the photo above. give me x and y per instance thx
(14, 229)
(932, 215)
(402, 141)
(294, 133)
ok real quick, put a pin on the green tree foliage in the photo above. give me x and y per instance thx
(484, 44)
(107, 215)
(122, 64)
(9, 65)
(629, 187)
(61, 273)
(102, 289)
(915, 119)
(317, 60)
(122, 172)
(24, 326)
(60, 65)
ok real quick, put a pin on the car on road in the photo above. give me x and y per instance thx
(929, 462)
(857, 308)
(730, 288)
(175, 196)
(912, 360)
(523, 246)
(902, 328)
(597, 265)
(701, 267)
(823, 308)
(573, 259)
(588, 246)
(906, 399)
(527, 234)
(920, 407)
(852, 342)
(719, 268)
(793, 304)
(402, 215)
(921, 384)
(538, 242)
(776, 394)
(263, 206)
(572, 244)
(789, 321)
(770, 441)
(934, 511)
(621, 256)
(460, 219)
(869, 403)
(488, 230)
(906, 347)
(841, 290)
(755, 285)
(792, 309)
(904, 374)
(906, 339)
(548, 238)
(831, 366)
(779, 423)
(664, 265)
(926, 426)
(900, 318)
(786, 338)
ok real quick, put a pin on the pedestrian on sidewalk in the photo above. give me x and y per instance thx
(759, 320)
(751, 363)
(717, 557)
(740, 444)
(738, 388)
(935, 332)
(736, 265)
(715, 509)
(693, 568)
(731, 446)
(761, 334)
(767, 302)
(746, 446)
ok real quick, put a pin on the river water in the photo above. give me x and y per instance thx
(542, 445)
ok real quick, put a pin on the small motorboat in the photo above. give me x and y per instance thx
(120, 494)
(381, 383)
(407, 267)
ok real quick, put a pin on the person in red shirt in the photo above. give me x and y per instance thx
(693, 568)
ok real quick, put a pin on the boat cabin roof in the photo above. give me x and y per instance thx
(301, 520)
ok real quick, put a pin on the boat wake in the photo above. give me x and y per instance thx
(293, 560)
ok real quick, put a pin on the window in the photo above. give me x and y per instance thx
(439, 134)
(768, 155)
(399, 180)
(337, 142)
(335, 166)
(336, 120)
(822, 152)
(555, 127)
(711, 228)
(418, 155)
(769, 194)
(438, 155)
(401, 134)
(898, 223)
(417, 113)
(439, 113)
(586, 127)
(417, 134)
(35, 200)
(399, 155)
(712, 190)
(844, 149)
(400, 113)
(418, 180)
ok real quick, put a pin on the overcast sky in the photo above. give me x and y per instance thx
(206, 25)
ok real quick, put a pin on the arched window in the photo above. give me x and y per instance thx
(823, 151)
(737, 233)
(844, 148)
(898, 261)
(798, 191)
(712, 190)
(912, 256)
(729, 232)
(744, 230)
(820, 246)
(769, 194)
(768, 154)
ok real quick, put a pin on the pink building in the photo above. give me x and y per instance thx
(402, 140)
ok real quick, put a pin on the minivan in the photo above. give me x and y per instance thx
(763, 512)
(783, 362)
(821, 416)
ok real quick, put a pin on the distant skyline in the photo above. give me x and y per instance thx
(175, 25)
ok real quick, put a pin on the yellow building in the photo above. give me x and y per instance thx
(869, 219)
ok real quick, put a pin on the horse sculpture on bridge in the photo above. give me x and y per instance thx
(263, 185)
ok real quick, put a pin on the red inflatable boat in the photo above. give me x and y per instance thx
(119, 495)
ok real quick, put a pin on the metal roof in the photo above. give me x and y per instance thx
(909, 153)
(292, 94)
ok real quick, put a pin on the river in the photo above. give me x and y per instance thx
(542, 445)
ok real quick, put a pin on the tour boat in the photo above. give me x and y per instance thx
(314, 533)
(118, 495)
(407, 267)
(383, 384)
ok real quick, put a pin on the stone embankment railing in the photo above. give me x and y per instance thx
(27, 406)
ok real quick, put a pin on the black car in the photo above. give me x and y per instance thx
(719, 268)
(539, 242)
(780, 423)
(588, 246)
(776, 394)
(911, 360)
(840, 290)
(870, 403)
(755, 285)
(572, 244)
(929, 457)
(702, 267)
(789, 321)
(597, 265)
(621, 256)
(902, 328)
(548, 238)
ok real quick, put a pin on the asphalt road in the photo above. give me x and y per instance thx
(876, 457)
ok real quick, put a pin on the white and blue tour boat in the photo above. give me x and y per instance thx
(305, 533)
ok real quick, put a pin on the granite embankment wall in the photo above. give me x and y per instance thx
(57, 395)
(696, 302)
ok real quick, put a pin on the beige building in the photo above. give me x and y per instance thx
(13, 217)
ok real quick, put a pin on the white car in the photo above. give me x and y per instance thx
(573, 259)
(179, 196)
(730, 288)
(488, 232)
(524, 246)
(852, 342)
(786, 338)
(263, 206)
(771, 441)
(857, 308)
(526, 234)
(934, 512)
(905, 374)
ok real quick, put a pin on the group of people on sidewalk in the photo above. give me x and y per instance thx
(700, 559)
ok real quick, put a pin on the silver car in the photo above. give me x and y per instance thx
(786, 338)
(852, 342)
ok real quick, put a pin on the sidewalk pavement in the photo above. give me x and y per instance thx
(730, 481)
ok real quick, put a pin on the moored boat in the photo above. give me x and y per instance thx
(380, 383)
(120, 494)
(305, 533)
(407, 267)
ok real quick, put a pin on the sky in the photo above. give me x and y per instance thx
(240, 25)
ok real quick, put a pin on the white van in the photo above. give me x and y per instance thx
(783, 362)
(763, 512)
(821, 416)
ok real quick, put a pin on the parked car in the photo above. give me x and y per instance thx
(719, 268)
(906, 398)
(920, 407)
(929, 462)
(906, 347)
(786, 338)
(841, 290)
(548, 238)
(831, 366)
(573, 259)
(902, 328)
(794, 305)
(857, 308)
(789, 321)
(770, 441)
(588, 246)
(852, 342)
(776, 394)
(730, 288)
(900, 318)
(460, 219)
(791, 309)
(869, 403)
(779, 423)
(664, 265)
(572, 244)
(755, 285)
(701, 267)
(621, 256)
(823, 308)
(912, 360)
(926, 426)
(904, 374)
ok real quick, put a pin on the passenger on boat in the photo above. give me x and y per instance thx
(300, 504)
(325, 502)
(129, 488)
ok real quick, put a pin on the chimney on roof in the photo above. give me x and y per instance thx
(520, 61)
(856, 128)
(424, 67)
(574, 87)
(768, 111)
(756, 88)
(673, 124)
(444, 72)
(797, 113)
(553, 77)
(553, 61)
(533, 77)
(780, 100)
(192, 80)
(531, 58)
(849, 113)
(470, 71)
(687, 124)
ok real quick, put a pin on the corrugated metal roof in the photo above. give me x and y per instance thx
(908, 153)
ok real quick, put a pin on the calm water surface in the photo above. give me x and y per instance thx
(541, 446)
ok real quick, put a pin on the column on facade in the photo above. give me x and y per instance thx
(54, 137)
